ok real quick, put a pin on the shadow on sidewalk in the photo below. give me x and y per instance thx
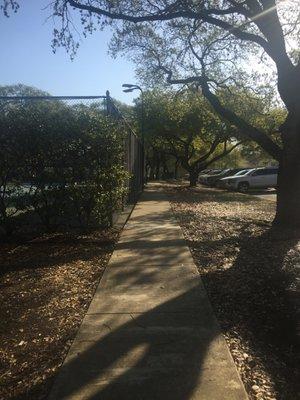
(159, 354)
(153, 355)
(156, 355)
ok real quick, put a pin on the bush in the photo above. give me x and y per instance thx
(64, 164)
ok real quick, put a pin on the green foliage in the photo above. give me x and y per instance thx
(183, 126)
(233, 160)
(63, 163)
(260, 112)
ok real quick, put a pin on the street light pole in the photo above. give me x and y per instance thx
(130, 88)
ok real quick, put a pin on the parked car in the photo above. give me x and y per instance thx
(222, 182)
(202, 177)
(256, 178)
(212, 180)
(205, 172)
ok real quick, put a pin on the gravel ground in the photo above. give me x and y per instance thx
(46, 285)
(250, 272)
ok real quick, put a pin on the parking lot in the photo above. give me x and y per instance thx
(266, 194)
(258, 182)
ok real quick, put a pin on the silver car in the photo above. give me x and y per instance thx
(256, 178)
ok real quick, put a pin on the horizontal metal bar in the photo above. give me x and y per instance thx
(51, 97)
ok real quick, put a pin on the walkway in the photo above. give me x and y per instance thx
(149, 333)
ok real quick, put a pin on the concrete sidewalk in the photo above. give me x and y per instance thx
(150, 332)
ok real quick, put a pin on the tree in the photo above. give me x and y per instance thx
(185, 127)
(215, 33)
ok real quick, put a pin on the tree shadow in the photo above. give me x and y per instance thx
(54, 249)
(151, 339)
(266, 192)
(160, 353)
(253, 298)
(37, 390)
(209, 195)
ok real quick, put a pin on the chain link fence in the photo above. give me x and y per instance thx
(66, 150)
(133, 152)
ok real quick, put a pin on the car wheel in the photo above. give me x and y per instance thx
(243, 187)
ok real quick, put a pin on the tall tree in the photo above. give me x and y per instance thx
(185, 127)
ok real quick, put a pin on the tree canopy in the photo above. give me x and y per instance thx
(184, 126)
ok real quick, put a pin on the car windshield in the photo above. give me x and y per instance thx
(221, 172)
(243, 172)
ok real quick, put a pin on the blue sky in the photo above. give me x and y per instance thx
(26, 57)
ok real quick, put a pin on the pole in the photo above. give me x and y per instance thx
(143, 138)
(108, 105)
(130, 88)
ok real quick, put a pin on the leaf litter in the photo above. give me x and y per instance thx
(46, 286)
(251, 273)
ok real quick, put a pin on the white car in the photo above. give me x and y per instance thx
(256, 178)
(203, 177)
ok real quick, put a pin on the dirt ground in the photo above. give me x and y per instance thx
(250, 271)
(46, 285)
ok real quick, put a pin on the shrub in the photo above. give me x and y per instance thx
(63, 163)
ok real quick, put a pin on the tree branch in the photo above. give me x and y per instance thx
(170, 13)
(213, 147)
(223, 154)
(244, 127)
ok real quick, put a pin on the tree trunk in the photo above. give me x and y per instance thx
(176, 169)
(166, 173)
(288, 185)
(193, 177)
(152, 175)
(157, 169)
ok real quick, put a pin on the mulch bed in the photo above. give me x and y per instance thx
(250, 271)
(46, 285)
